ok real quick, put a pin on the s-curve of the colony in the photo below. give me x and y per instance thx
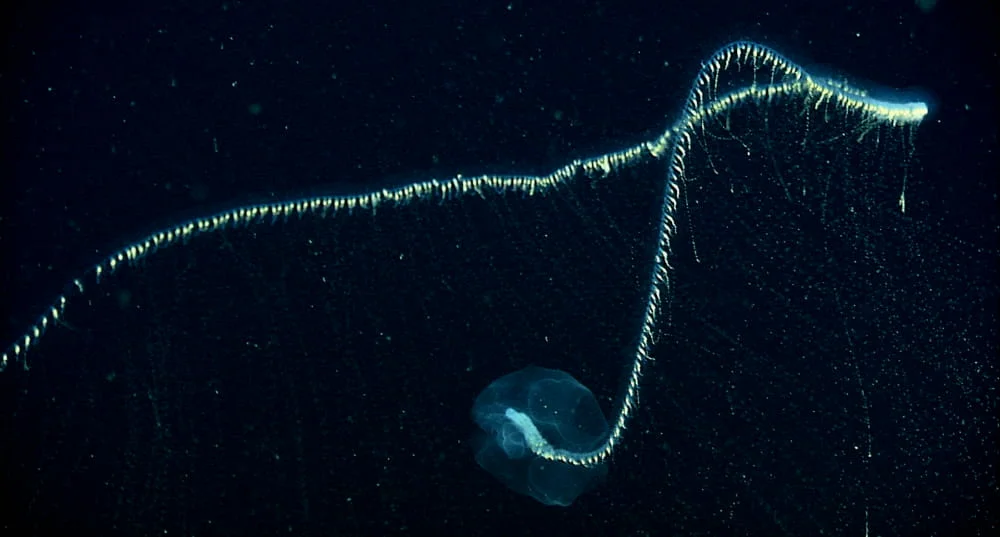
(773, 78)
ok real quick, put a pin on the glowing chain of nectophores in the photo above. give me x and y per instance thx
(774, 78)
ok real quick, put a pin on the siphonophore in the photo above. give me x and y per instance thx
(523, 450)
(532, 410)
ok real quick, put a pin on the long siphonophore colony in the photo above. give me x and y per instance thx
(773, 78)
